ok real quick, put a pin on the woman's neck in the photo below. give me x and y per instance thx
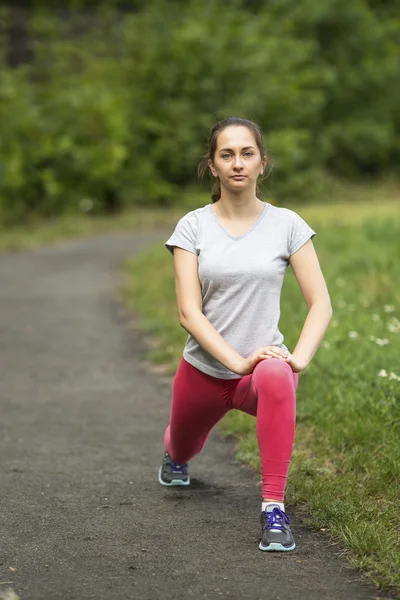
(238, 206)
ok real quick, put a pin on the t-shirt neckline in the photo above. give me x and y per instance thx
(239, 237)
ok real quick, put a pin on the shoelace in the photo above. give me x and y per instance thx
(178, 468)
(276, 519)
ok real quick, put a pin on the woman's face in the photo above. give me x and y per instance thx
(237, 160)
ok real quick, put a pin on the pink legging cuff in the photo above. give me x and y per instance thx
(199, 401)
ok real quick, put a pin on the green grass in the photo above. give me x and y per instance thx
(344, 475)
(8, 595)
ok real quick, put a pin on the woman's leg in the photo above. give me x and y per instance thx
(199, 401)
(269, 393)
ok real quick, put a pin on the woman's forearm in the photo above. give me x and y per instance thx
(210, 340)
(313, 331)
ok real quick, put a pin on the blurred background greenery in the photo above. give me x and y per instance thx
(107, 105)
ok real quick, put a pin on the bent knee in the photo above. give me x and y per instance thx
(271, 371)
(274, 366)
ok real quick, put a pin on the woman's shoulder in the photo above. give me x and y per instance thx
(286, 218)
(195, 215)
(282, 212)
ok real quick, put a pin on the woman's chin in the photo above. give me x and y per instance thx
(238, 186)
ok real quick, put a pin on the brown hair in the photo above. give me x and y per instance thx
(212, 146)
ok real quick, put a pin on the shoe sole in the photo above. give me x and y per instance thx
(276, 547)
(173, 483)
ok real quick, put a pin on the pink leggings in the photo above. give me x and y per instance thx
(199, 401)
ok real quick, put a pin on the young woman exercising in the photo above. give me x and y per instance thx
(230, 258)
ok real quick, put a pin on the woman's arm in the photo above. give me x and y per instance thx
(311, 281)
(191, 318)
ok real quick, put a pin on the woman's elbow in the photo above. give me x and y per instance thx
(324, 304)
(329, 309)
(185, 316)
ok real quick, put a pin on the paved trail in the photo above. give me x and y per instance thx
(82, 514)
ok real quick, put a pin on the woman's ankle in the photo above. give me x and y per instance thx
(267, 503)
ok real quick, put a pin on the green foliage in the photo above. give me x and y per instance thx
(115, 111)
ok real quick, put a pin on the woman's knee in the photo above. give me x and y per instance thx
(182, 447)
(274, 376)
(273, 367)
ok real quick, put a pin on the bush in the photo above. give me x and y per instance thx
(115, 112)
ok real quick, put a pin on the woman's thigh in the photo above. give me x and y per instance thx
(245, 397)
(198, 400)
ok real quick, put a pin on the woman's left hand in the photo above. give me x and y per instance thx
(295, 363)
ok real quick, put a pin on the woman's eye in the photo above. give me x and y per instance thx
(244, 154)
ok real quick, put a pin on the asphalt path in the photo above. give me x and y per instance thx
(82, 514)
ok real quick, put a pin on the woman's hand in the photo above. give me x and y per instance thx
(265, 353)
(295, 363)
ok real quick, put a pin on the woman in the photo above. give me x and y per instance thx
(230, 258)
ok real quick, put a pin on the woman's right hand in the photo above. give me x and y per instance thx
(248, 364)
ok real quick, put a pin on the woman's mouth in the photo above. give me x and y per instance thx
(238, 177)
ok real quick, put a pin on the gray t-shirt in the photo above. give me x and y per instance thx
(241, 278)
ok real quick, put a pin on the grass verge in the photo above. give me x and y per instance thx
(345, 467)
(39, 233)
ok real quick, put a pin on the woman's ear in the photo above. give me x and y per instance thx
(265, 162)
(263, 165)
(211, 167)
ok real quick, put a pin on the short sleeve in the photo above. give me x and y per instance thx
(185, 234)
(300, 233)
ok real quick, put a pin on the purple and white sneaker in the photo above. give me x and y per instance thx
(173, 473)
(275, 531)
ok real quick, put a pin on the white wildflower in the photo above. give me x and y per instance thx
(382, 373)
(394, 376)
(372, 338)
(394, 325)
(340, 282)
(364, 302)
(334, 323)
(381, 342)
(351, 307)
(353, 334)
(86, 204)
(388, 308)
(375, 317)
(341, 303)
(326, 344)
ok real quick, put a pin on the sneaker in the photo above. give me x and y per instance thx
(275, 532)
(173, 473)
